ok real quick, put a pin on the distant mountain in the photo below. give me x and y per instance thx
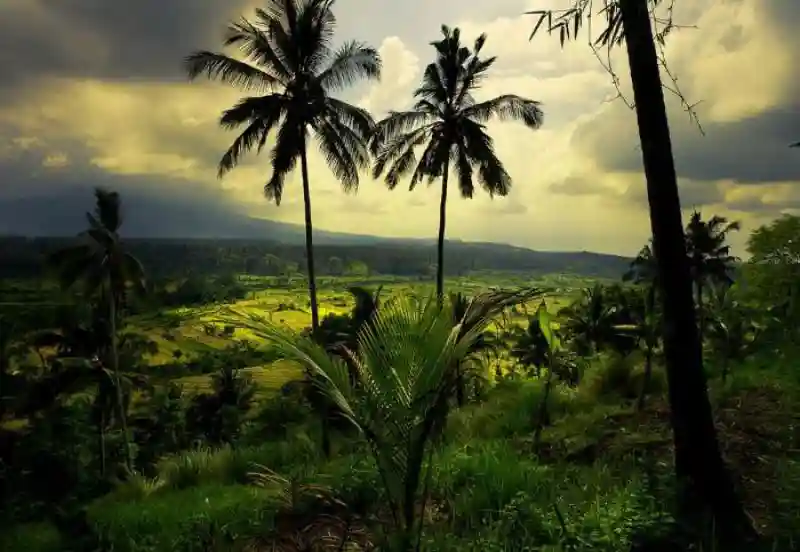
(175, 219)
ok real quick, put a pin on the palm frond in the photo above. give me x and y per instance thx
(344, 150)
(228, 70)
(395, 125)
(289, 145)
(404, 366)
(256, 45)
(358, 119)
(507, 107)
(353, 61)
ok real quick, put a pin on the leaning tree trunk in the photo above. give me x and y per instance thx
(440, 241)
(112, 313)
(312, 279)
(698, 462)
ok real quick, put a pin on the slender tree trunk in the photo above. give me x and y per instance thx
(440, 242)
(725, 364)
(101, 435)
(312, 280)
(700, 314)
(544, 412)
(698, 462)
(112, 312)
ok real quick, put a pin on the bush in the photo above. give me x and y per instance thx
(613, 376)
(183, 520)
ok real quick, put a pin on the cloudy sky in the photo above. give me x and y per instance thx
(92, 93)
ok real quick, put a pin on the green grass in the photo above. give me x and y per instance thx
(603, 467)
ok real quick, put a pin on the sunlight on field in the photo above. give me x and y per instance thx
(269, 378)
(290, 307)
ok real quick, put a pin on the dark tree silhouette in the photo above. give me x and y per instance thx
(289, 58)
(448, 123)
(107, 270)
(710, 259)
(698, 461)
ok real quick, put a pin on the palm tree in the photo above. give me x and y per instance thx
(644, 270)
(698, 460)
(732, 329)
(449, 123)
(710, 260)
(645, 328)
(405, 365)
(107, 270)
(67, 375)
(484, 343)
(530, 346)
(590, 319)
(290, 62)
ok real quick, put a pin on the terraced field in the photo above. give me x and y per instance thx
(184, 329)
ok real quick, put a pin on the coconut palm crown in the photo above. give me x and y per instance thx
(448, 123)
(289, 63)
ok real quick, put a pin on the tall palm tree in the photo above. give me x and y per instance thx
(710, 259)
(698, 461)
(108, 271)
(290, 63)
(448, 123)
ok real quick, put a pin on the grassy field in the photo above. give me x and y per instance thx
(291, 307)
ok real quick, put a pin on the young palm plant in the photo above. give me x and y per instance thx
(290, 64)
(448, 123)
(406, 379)
(107, 270)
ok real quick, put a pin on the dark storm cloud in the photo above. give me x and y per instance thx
(694, 194)
(751, 151)
(53, 202)
(141, 39)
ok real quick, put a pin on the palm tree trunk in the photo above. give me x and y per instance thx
(440, 242)
(698, 461)
(112, 308)
(312, 280)
(648, 375)
(700, 313)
